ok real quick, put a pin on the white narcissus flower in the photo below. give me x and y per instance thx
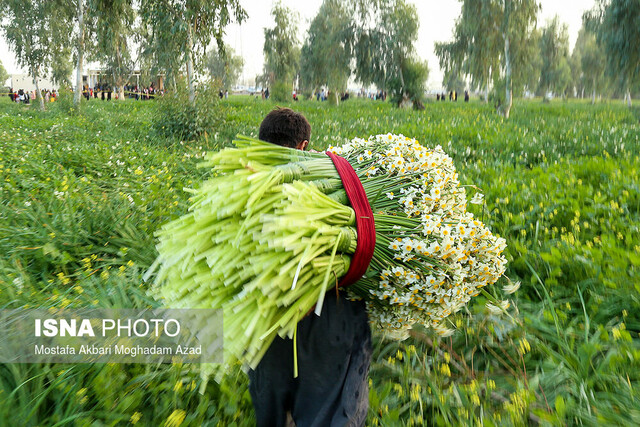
(477, 199)
(498, 309)
(511, 287)
(443, 331)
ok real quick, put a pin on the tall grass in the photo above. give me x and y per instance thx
(83, 195)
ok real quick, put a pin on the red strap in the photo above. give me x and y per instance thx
(365, 227)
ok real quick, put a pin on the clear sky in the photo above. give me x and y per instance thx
(437, 19)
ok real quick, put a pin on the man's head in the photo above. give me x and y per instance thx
(285, 127)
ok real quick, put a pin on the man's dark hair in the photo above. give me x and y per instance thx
(285, 127)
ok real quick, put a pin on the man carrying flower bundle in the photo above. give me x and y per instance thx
(333, 349)
(278, 229)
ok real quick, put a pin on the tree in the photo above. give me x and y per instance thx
(616, 24)
(475, 48)
(526, 76)
(454, 80)
(588, 64)
(28, 37)
(224, 65)
(385, 48)
(408, 87)
(555, 75)
(575, 63)
(81, 7)
(61, 50)
(281, 47)
(114, 21)
(328, 49)
(4, 76)
(177, 32)
(61, 65)
(593, 66)
(518, 22)
(491, 41)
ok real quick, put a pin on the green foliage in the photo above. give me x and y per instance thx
(30, 43)
(177, 118)
(4, 76)
(555, 75)
(281, 92)
(327, 51)
(615, 23)
(281, 47)
(224, 66)
(114, 36)
(526, 74)
(64, 102)
(476, 46)
(410, 83)
(592, 60)
(61, 66)
(61, 47)
(83, 195)
(480, 39)
(453, 80)
(497, 94)
(175, 33)
(385, 46)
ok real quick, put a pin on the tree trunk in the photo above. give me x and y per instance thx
(334, 99)
(507, 60)
(34, 73)
(486, 93)
(593, 98)
(402, 93)
(507, 77)
(628, 98)
(78, 93)
(119, 79)
(192, 91)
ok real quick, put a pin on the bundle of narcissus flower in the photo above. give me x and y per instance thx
(274, 229)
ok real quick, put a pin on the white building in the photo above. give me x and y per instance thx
(26, 82)
(92, 77)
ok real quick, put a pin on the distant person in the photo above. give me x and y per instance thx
(443, 97)
(266, 93)
(102, 92)
(437, 97)
(466, 96)
(109, 90)
(11, 95)
(455, 96)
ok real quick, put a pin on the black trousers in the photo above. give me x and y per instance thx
(334, 354)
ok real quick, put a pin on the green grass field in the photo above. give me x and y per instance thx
(82, 196)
